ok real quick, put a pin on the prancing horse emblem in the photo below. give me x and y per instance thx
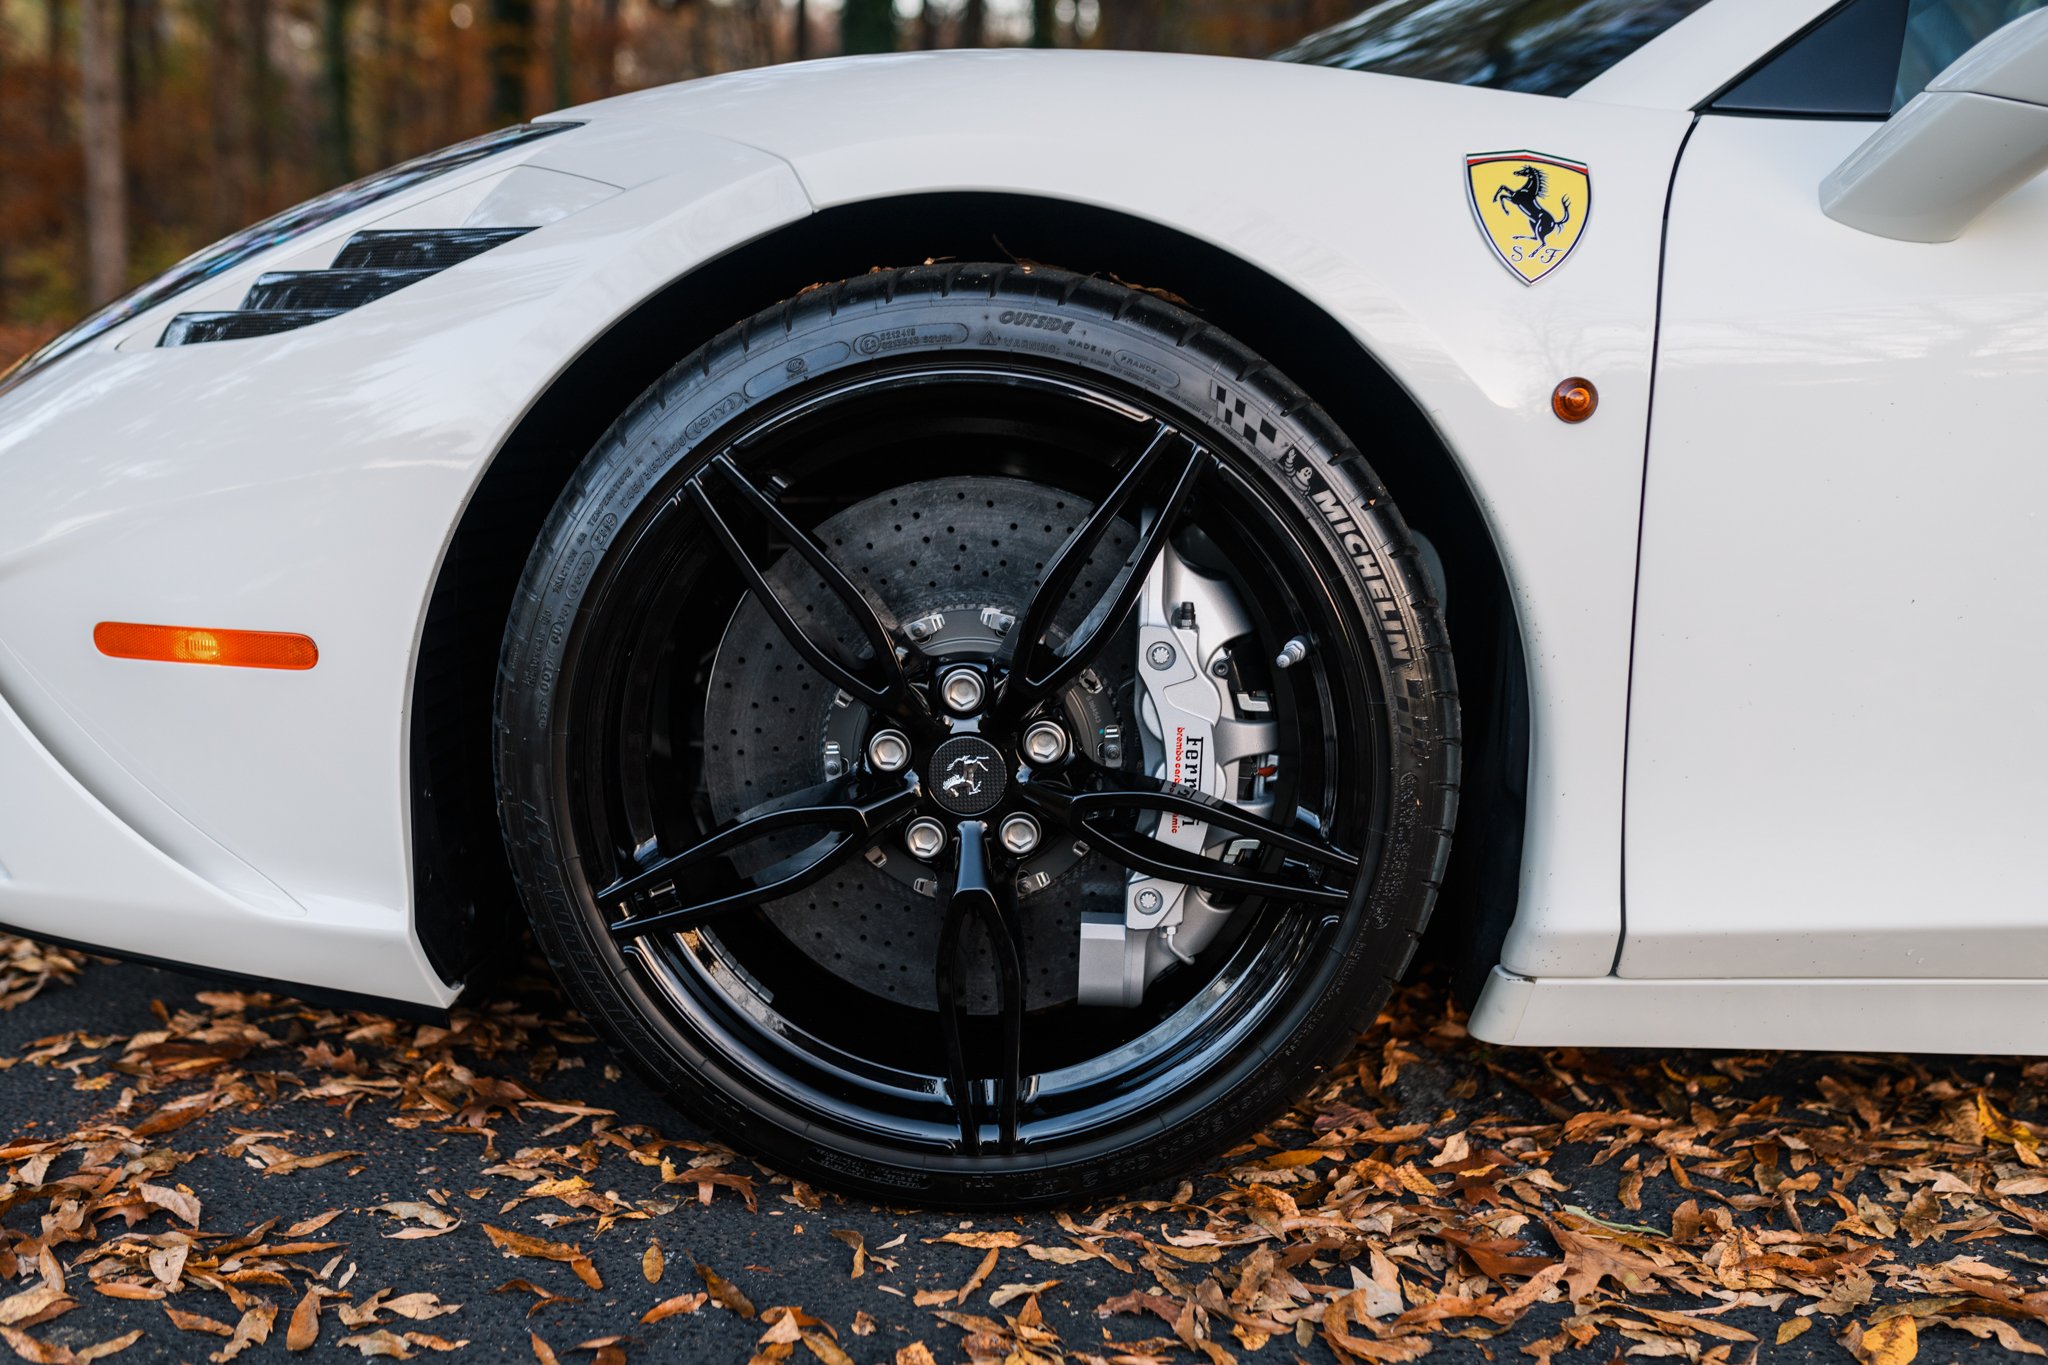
(964, 774)
(1532, 208)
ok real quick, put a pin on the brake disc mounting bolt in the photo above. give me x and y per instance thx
(1019, 834)
(925, 838)
(1292, 653)
(1161, 655)
(1044, 742)
(962, 689)
(889, 751)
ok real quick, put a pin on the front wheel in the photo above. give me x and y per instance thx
(977, 736)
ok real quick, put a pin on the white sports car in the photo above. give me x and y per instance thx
(965, 593)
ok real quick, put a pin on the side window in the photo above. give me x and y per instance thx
(1939, 31)
(1866, 58)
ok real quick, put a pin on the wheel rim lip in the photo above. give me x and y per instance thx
(652, 963)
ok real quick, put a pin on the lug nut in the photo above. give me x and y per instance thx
(1019, 834)
(925, 838)
(889, 751)
(962, 690)
(1045, 742)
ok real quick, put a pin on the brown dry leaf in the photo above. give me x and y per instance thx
(980, 1276)
(421, 1306)
(542, 1352)
(1590, 1260)
(681, 1303)
(304, 1328)
(1895, 1341)
(724, 1292)
(983, 1241)
(863, 1325)
(382, 1342)
(1010, 1293)
(197, 1322)
(128, 1289)
(1792, 1327)
(31, 1305)
(307, 1163)
(519, 1244)
(651, 1262)
(916, 1353)
(825, 1349)
(859, 1244)
(179, 1202)
(252, 1330)
(305, 1227)
(100, 1350)
(434, 1343)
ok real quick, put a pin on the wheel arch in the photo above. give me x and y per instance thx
(461, 884)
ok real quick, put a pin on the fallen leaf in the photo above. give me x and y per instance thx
(651, 1263)
(519, 1244)
(681, 1303)
(724, 1293)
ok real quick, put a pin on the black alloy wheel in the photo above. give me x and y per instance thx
(826, 735)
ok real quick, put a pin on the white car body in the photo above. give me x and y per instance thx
(1748, 824)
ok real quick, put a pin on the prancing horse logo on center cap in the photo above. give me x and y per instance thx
(969, 775)
(1532, 209)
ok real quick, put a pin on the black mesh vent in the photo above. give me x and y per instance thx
(189, 329)
(429, 251)
(335, 289)
(371, 265)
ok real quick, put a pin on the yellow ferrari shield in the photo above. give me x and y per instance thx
(1531, 208)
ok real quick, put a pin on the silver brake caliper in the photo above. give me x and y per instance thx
(1199, 733)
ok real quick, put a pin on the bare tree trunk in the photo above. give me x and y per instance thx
(53, 59)
(384, 68)
(230, 203)
(1042, 23)
(867, 26)
(608, 50)
(1133, 25)
(99, 131)
(928, 25)
(262, 97)
(974, 24)
(803, 30)
(511, 52)
(334, 60)
(564, 54)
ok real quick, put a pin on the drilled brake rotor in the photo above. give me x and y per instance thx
(952, 548)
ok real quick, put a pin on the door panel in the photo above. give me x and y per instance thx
(1838, 756)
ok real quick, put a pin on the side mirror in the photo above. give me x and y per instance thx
(1978, 132)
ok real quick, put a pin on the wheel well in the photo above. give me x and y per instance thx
(461, 883)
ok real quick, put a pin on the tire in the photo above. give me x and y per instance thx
(648, 692)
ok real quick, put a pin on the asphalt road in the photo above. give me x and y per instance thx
(431, 1131)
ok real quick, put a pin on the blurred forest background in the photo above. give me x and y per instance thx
(133, 132)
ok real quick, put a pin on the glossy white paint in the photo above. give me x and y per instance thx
(1822, 1013)
(1837, 761)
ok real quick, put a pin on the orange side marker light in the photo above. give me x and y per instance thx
(1574, 400)
(198, 645)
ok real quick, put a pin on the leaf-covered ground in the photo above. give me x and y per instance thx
(198, 1174)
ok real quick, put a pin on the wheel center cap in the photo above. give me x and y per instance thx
(966, 776)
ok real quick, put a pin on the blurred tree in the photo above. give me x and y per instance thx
(1043, 23)
(339, 127)
(928, 25)
(1135, 25)
(974, 23)
(564, 53)
(99, 132)
(511, 53)
(867, 26)
(803, 30)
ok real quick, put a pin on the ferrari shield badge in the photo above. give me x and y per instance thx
(1531, 208)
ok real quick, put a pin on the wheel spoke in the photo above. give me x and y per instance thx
(977, 896)
(839, 806)
(1316, 871)
(1162, 476)
(878, 682)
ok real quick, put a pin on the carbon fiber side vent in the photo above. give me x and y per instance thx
(370, 265)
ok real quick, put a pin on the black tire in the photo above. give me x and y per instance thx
(1372, 717)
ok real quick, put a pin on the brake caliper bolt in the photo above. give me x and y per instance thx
(1292, 653)
(1045, 742)
(1161, 655)
(1019, 834)
(962, 690)
(889, 751)
(1150, 900)
(925, 838)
